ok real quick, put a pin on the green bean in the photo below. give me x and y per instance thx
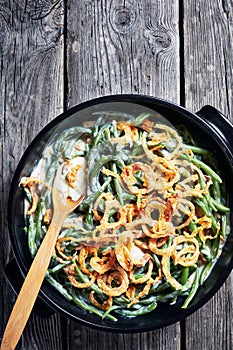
(137, 150)
(96, 127)
(107, 134)
(202, 203)
(39, 218)
(185, 274)
(163, 298)
(206, 253)
(62, 140)
(147, 301)
(32, 236)
(138, 177)
(112, 308)
(128, 196)
(186, 134)
(224, 226)
(215, 248)
(98, 137)
(143, 310)
(219, 206)
(216, 191)
(156, 260)
(206, 271)
(192, 226)
(28, 194)
(214, 223)
(206, 199)
(94, 172)
(58, 267)
(83, 305)
(58, 286)
(197, 150)
(114, 130)
(122, 300)
(85, 279)
(89, 219)
(193, 290)
(91, 199)
(117, 185)
(140, 119)
(210, 202)
(206, 168)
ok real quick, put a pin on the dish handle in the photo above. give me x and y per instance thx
(219, 123)
(15, 279)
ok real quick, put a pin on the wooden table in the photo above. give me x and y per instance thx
(55, 54)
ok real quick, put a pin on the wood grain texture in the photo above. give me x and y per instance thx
(82, 338)
(31, 52)
(208, 60)
(208, 76)
(121, 46)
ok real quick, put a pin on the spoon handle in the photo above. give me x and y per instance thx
(30, 289)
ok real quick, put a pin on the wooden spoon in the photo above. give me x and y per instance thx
(21, 311)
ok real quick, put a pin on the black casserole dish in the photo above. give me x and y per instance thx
(212, 131)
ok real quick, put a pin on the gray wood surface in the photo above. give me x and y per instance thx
(55, 54)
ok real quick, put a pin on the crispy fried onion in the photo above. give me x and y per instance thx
(77, 284)
(31, 183)
(184, 208)
(61, 249)
(146, 289)
(110, 203)
(114, 283)
(147, 125)
(128, 254)
(165, 169)
(150, 179)
(84, 253)
(204, 229)
(161, 213)
(141, 294)
(47, 216)
(187, 187)
(72, 275)
(183, 250)
(156, 245)
(157, 139)
(71, 176)
(103, 306)
(130, 133)
(130, 293)
(188, 253)
(122, 250)
(145, 277)
(165, 263)
(161, 228)
(176, 139)
(104, 264)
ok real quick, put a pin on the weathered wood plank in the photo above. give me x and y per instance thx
(31, 52)
(208, 46)
(82, 338)
(208, 59)
(122, 47)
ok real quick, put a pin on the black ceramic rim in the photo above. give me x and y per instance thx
(130, 98)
